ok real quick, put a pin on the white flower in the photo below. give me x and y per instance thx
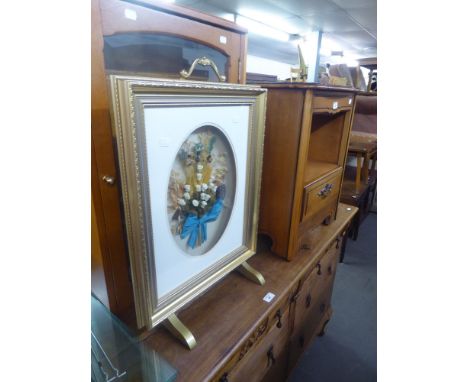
(187, 196)
(204, 187)
(202, 196)
(181, 202)
(203, 204)
(207, 197)
(198, 188)
(187, 187)
(214, 188)
(195, 202)
(199, 176)
(199, 167)
(212, 177)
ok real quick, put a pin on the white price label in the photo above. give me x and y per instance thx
(223, 39)
(269, 297)
(350, 101)
(335, 105)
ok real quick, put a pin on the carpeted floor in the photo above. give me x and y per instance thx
(348, 350)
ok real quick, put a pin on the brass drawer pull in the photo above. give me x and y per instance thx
(204, 61)
(271, 356)
(308, 300)
(278, 315)
(325, 191)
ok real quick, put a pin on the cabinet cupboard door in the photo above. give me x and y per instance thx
(147, 40)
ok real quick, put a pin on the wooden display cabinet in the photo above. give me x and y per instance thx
(306, 139)
(148, 38)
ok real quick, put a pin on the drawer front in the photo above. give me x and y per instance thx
(262, 351)
(314, 300)
(320, 198)
(333, 103)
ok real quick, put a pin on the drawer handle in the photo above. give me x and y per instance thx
(278, 315)
(308, 300)
(325, 191)
(319, 266)
(271, 356)
(329, 269)
(203, 61)
(224, 378)
(337, 243)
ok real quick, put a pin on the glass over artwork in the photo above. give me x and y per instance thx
(201, 190)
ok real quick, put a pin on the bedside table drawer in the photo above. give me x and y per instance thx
(332, 104)
(320, 197)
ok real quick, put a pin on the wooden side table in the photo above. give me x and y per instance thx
(364, 147)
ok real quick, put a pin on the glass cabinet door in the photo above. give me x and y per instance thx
(159, 55)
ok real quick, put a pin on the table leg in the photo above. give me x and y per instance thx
(365, 169)
(358, 170)
(374, 161)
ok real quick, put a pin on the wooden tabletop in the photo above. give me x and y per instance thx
(363, 143)
(222, 318)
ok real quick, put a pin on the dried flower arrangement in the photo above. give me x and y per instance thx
(195, 197)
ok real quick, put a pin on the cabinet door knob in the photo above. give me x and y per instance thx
(271, 356)
(110, 180)
(278, 315)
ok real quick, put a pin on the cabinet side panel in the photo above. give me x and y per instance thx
(108, 215)
(282, 134)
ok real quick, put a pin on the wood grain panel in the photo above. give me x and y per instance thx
(280, 156)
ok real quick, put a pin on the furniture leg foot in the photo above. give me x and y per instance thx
(180, 331)
(251, 273)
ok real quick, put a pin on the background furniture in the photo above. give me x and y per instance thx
(153, 39)
(306, 138)
(241, 337)
(360, 182)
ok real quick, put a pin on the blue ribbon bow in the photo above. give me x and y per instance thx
(193, 224)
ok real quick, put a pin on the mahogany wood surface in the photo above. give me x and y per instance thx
(223, 319)
(192, 14)
(110, 266)
(106, 198)
(157, 20)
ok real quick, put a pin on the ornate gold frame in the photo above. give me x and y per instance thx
(130, 96)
